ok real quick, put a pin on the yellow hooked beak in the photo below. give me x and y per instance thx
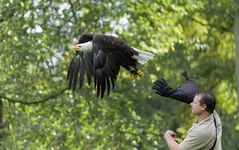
(75, 48)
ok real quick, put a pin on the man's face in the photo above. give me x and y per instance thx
(197, 107)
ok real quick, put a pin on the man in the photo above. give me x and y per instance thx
(206, 133)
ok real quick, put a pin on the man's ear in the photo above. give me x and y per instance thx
(204, 106)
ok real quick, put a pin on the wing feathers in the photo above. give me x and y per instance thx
(82, 71)
(102, 81)
(105, 67)
(76, 71)
(88, 67)
(70, 69)
(99, 74)
(108, 85)
(73, 71)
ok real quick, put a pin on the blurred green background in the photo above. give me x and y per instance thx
(38, 112)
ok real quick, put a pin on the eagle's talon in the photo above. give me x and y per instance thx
(140, 73)
(135, 74)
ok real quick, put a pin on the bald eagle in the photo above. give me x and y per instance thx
(100, 58)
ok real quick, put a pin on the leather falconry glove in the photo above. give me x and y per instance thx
(184, 93)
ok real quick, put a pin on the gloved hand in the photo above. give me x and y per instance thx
(184, 93)
(162, 88)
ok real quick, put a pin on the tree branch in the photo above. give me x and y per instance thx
(73, 11)
(2, 122)
(75, 17)
(47, 98)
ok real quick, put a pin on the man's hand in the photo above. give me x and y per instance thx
(162, 88)
(184, 93)
(170, 135)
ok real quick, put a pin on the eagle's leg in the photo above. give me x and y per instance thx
(135, 72)
(138, 73)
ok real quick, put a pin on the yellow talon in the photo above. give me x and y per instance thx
(140, 73)
(135, 74)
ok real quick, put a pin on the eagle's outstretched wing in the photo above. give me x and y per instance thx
(80, 64)
(109, 54)
(105, 71)
(76, 70)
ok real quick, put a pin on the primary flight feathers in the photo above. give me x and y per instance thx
(100, 58)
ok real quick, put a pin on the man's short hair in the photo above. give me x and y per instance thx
(208, 98)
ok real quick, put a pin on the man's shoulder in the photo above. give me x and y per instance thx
(203, 131)
(195, 139)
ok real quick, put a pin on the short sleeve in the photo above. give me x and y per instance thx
(194, 140)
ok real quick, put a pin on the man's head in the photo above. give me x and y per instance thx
(204, 101)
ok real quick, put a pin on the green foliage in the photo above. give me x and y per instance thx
(34, 56)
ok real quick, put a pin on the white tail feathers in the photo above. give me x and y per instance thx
(143, 56)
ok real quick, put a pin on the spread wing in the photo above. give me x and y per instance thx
(105, 71)
(80, 64)
(73, 71)
(109, 54)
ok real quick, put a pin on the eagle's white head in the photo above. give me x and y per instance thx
(83, 47)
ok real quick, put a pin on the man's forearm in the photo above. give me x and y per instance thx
(172, 145)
